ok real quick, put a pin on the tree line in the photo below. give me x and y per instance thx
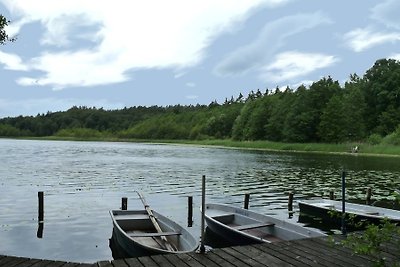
(363, 109)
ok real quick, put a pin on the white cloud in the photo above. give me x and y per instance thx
(387, 12)
(305, 83)
(362, 39)
(273, 36)
(129, 35)
(292, 65)
(190, 84)
(395, 56)
(12, 62)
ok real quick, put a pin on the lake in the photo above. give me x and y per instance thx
(82, 181)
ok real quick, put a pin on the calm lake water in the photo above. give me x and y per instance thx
(82, 181)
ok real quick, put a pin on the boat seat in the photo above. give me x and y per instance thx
(153, 234)
(253, 226)
(224, 218)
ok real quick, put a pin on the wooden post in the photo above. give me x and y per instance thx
(124, 203)
(203, 211)
(290, 202)
(290, 205)
(368, 196)
(190, 211)
(39, 233)
(343, 203)
(246, 201)
(331, 195)
(41, 207)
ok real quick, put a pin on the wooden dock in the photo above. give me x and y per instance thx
(307, 252)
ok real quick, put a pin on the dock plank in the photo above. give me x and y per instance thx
(220, 261)
(188, 260)
(203, 259)
(11, 261)
(227, 257)
(104, 264)
(119, 263)
(281, 254)
(331, 254)
(299, 255)
(162, 261)
(133, 262)
(240, 257)
(302, 253)
(147, 261)
(261, 256)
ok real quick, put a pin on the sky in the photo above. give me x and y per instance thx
(124, 53)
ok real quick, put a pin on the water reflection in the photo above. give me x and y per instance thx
(39, 233)
(83, 180)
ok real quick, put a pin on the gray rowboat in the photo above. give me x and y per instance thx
(240, 226)
(324, 207)
(135, 234)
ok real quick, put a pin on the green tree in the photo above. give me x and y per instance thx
(343, 117)
(281, 103)
(3, 34)
(381, 87)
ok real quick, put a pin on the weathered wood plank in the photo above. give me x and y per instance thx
(133, 262)
(331, 254)
(300, 255)
(188, 260)
(282, 254)
(223, 262)
(203, 259)
(71, 264)
(28, 263)
(161, 261)
(261, 256)
(240, 257)
(55, 264)
(175, 260)
(147, 261)
(104, 264)
(11, 261)
(119, 263)
(227, 257)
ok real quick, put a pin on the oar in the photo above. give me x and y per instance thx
(153, 219)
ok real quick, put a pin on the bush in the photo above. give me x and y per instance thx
(79, 133)
(374, 139)
(393, 138)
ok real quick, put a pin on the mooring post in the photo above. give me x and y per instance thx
(368, 196)
(331, 195)
(41, 206)
(203, 211)
(246, 201)
(190, 211)
(39, 233)
(343, 203)
(290, 202)
(124, 203)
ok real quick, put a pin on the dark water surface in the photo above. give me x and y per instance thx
(82, 181)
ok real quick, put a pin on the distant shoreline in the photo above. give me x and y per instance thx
(321, 148)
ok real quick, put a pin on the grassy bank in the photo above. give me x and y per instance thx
(344, 148)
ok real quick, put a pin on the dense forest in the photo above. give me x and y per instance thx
(364, 109)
